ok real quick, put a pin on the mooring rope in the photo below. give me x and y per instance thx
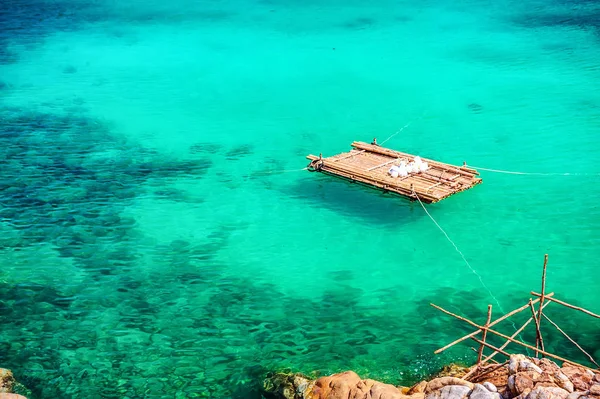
(467, 262)
(510, 172)
(460, 253)
(383, 142)
(402, 128)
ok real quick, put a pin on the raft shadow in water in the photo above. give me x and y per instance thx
(355, 200)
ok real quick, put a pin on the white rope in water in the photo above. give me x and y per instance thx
(532, 173)
(402, 128)
(460, 253)
(467, 263)
(384, 141)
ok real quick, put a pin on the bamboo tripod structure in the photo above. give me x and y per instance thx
(542, 300)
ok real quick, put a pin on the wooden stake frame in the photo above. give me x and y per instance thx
(544, 299)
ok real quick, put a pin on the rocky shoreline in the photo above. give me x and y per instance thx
(519, 378)
(9, 386)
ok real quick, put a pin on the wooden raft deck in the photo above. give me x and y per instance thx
(369, 164)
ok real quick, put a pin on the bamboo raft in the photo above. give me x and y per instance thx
(369, 164)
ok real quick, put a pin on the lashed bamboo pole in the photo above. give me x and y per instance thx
(487, 324)
(504, 345)
(485, 372)
(477, 351)
(538, 334)
(567, 305)
(349, 155)
(382, 164)
(392, 153)
(506, 316)
(519, 331)
(461, 339)
(539, 341)
(358, 174)
(506, 337)
(572, 340)
(491, 346)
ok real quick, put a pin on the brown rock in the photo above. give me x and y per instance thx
(548, 393)
(383, 391)
(361, 389)
(595, 390)
(439, 383)
(498, 377)
(523, 381)
(336, 386)
(563, 381)
(525, 365)
(417, 388)
(576, 395)
(548, 365)
(545, 378)
(348, 385)
(4, 395)
(579, 376)
(7, 381)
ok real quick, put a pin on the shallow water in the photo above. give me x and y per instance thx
(146, 253)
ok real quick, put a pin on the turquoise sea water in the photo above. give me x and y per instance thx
(146, 253)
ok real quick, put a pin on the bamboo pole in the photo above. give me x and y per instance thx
(539, 340)
(491, 346)
(567, 305)
(538, 333)
(507, 337)
(572, 340)
(491, 370)
(477, 351)
(434, 164)
(349, 155)
(519, 331)
(487, 324)
(382, 164)
(506, 316)
(474, 333)
(392, 153)
(357, 174)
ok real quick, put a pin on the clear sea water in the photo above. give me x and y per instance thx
(146, 253)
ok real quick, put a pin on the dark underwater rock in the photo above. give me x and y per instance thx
(475, 107)
(69, 69)
(239, 151)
